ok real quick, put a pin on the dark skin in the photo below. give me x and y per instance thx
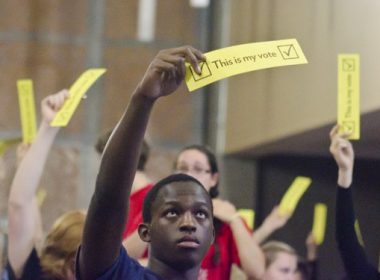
(108, 208)
(181, 230)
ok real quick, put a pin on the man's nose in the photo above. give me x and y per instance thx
(188, 222)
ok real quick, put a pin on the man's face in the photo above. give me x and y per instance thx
(181, 229)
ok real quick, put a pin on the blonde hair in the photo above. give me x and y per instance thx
(272, 248)
(58, 253)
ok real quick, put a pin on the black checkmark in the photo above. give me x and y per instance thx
(287, 53)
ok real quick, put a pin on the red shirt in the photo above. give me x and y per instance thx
(228, 255)
(136, 201)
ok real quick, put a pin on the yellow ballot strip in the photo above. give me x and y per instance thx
(294, 193)
(349, 94)
(27, 110)
(77, 91)
(249, 217)
(243, 58)
(319, 224)
(5, 144)
(358, 233)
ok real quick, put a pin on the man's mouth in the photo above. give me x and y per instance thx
(188, 242)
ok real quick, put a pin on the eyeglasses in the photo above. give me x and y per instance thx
(194, 170)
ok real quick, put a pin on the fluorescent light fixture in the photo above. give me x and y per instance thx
(199, 3)
(146, 20)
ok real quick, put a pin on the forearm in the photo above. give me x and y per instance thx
(261, 234)
(108, 208)
(251, 256)
(135, 246)
(353, 255)
(23, 212)
(29, 172)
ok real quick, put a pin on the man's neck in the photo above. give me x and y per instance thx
(167, 272)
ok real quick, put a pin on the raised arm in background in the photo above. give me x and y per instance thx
(23, 213)
(353, 256)
(274, 221)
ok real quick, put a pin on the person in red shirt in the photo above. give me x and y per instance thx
(141, 186)
(233, 241)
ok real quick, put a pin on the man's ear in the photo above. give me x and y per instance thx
(144, 232)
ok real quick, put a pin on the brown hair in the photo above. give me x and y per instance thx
(272, 248)
(58, 254)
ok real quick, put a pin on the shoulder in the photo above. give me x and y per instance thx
(125, 267)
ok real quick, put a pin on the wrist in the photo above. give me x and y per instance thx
(234, 217)
(344, 178)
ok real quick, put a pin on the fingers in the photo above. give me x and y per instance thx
(56, 101)
(178, 56)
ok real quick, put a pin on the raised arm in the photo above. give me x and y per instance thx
(274, 221)
(23, 212)
(353, 255)
(105, 221)
(251, 256)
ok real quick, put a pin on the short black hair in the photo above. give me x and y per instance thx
(144, 155)
(211, 158)
(152, 194)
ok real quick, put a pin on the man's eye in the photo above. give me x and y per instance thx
(171, 214)
(201, 215)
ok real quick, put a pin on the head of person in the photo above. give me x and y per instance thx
(281, 261)
(144, 154)
(177, 222)
(199, 162)
(61, 244)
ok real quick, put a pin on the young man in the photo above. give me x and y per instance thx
(178, 216)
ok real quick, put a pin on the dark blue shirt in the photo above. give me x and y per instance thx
(124, 268)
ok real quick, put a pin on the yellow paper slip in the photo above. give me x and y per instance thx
(349, 94)
(243, 58)
(319, 223)
(292, 196)
(27, 110)
(5, 144)
(249, 217)
(77, 91)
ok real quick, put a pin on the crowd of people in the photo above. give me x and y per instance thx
(176, 228)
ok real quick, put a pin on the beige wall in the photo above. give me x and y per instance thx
(272, 104)
(52, 42)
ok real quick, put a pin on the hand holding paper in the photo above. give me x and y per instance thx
(77, 91)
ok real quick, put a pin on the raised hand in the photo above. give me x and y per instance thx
(166, 72)
(51, 104)
(275, 219)
(343, 153)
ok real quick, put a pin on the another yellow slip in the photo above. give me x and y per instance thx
(349, 94)
(27, 110)
(294, 193)
(77, 91)
(249, 217)
(230, 61)
(319, 224)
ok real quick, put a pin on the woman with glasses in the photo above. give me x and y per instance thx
(233, 242)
